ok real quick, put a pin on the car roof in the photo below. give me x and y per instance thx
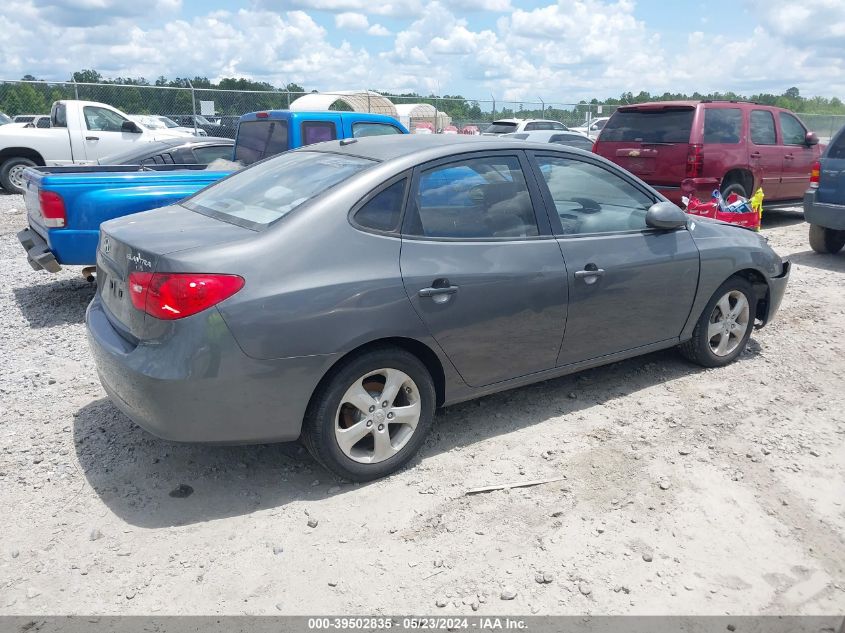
(425, 147)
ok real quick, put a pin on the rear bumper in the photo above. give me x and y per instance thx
(196, 385)
(701, 188)
(777, 288)
(38, 252)
(830, 216)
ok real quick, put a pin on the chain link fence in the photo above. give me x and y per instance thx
(220, 108)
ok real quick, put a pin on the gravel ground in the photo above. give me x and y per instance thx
(685, 491)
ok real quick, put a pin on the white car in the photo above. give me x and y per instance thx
(592, 127)
(157, 122)
(81, 133)
(511, 126)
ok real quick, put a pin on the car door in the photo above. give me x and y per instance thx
(629, 286)
(481, 268)
(103, 133)
(798, 157)
(765, 156)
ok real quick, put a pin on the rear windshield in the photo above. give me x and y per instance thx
(649, 126)
(270, 190)
(837, 148)
(500, 127)
(259, 139)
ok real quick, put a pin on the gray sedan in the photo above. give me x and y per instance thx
(342, 292)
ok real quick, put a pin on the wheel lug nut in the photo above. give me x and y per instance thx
(407, 390)
(372, 408)
(369, 422)
(381, 427)
(384, 404)
(390, 415)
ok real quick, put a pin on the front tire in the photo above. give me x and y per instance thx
(725, 325)
(371, 414)
(826, 241)
(11, 173)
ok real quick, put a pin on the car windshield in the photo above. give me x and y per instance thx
(270, 190)
(500, 127)
(4, 119)
(572, 140)
(201, 120)
(149, 122)
(669, 125)
(168, 122)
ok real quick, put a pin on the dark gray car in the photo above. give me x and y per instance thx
(342, 292)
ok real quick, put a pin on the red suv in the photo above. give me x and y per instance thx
(693, 147)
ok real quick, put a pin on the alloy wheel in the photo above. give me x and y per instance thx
(728, 323)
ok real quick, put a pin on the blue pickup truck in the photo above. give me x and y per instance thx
(66, 205)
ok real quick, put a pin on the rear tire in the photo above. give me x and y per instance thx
(724, 327)
(350, 430)
(826, 241)
(11, 173)
(733, 187)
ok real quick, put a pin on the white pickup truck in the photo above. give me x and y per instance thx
(82, 133)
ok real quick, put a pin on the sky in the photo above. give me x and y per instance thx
(504, 49)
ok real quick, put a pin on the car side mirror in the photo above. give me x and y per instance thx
(131, 126)
(665, 216)
(811, 139)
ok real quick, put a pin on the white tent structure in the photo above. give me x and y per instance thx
(365, 101)
(411, 113)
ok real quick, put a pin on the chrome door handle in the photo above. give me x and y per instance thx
(92, 138)
(580, 274)
(433, 291)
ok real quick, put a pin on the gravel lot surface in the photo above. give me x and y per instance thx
(686, 491)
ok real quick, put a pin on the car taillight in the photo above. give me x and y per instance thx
(262, 115)
(52, 209)
(814, 175)
(695, 161)
(171, 296)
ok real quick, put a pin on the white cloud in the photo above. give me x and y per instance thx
(378, 30)
(398, 8)
(350, 21)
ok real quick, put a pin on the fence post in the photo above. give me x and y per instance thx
(194, 104)
(369, 109)
(75, 90)
(543, 111)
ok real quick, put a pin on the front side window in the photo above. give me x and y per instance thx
(762, 128)
(792, 130)
(360, 130)
(592, 199)
(318, 132)
(382, 211)
(102, 120)
(260, 139)
(474, 198)
(722, 125)
(269, 191)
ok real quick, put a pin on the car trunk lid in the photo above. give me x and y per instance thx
(127, 246)
(651, 141)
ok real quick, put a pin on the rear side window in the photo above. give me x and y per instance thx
(318, 132)
(269, 191)
(722, 125)
(382, 211)
(792, 130)
(762, 128)
(649, 126)
(373, 129)
(210, 153)
(474, 198)
(260, 139)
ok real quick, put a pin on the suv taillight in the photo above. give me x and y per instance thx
(52, 209)
(171, 296)
(695, 161)
(814, 175)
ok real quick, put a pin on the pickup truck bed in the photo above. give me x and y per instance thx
(96, 194)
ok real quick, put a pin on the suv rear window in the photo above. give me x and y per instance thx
(837, 148)
(260, 139)
(650, 126)
(500, 127)
(722, 125)
(267, 192)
